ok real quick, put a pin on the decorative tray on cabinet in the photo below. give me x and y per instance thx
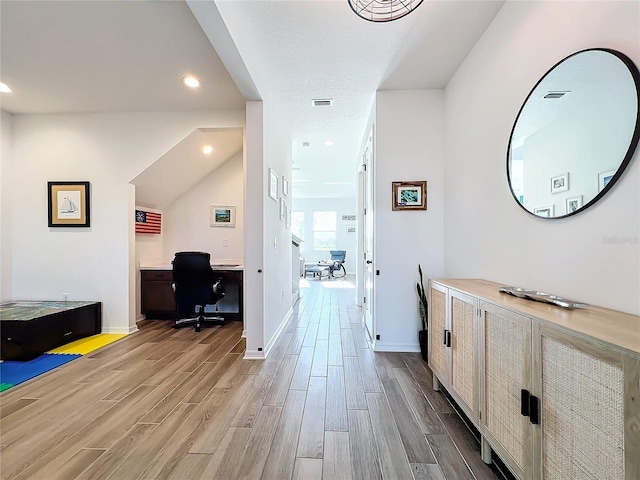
(541, 297)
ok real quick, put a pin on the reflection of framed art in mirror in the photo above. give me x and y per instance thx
(560, 183)
(604, 179)
(546, 212)
(574, 204)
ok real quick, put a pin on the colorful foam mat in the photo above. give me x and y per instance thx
(13, 373)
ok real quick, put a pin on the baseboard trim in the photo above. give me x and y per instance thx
(126, 331)
(253, 355)
(379, 346)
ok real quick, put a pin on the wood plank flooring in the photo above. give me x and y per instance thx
(175, 404)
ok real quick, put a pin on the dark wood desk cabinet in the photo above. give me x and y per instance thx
(157, 294)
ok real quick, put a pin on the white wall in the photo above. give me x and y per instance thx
(344, 241)
(6, 204)
(277, 238)
(409, 147)
(593, 256)
(186, 222)
(107, 150)
(254, 192)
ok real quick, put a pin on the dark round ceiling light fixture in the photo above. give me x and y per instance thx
(383, 10)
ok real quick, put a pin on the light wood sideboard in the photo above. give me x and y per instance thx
(554, 392)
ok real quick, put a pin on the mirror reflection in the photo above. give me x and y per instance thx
(575, 133)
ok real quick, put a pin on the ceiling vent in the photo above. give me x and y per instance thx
(322, 102)
(554, 95)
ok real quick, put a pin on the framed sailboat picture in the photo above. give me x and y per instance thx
(69, 204)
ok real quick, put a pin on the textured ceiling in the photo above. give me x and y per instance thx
(97, 56)
(299, 50)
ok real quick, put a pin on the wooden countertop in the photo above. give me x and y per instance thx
(610, 326)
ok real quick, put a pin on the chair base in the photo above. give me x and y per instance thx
(199, 321)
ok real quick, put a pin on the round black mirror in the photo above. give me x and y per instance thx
(575, 133)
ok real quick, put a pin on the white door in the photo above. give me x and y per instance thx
(368, 275)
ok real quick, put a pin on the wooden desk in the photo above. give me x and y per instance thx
(157, 294)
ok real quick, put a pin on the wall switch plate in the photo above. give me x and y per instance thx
(225, 243)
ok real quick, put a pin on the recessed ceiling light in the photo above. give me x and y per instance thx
(305, 144)
(328, 143)
(191, 81)
(4, 88)
(207, 149)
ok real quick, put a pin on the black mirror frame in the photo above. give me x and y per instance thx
(635, 74)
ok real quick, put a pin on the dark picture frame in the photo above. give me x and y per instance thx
(69, 204)
(409, 195)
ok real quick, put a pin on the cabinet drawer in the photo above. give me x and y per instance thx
(150, 275)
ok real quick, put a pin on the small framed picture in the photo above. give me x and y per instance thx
(273, 185)
(285, 186)
(283, 207)
(560, 183)
(604, 179)
(546, 212)
(574, 204)
(222, 216)
(409, 195)
(287, 218)
(69, 204)
(351, 229)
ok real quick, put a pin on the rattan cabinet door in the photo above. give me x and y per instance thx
(506, 344)
(590, 403)
(464, 338)
(437, 326)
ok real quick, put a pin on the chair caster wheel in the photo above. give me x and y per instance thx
(198, 328)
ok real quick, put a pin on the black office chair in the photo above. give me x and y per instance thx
(195, 285)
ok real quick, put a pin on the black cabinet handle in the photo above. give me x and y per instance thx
(524, 402)
(534, 410)
(447, 338)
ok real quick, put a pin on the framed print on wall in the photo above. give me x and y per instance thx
(69, 204)
(222, 216)
(285, 186)
(273, 185)
(283, 207)
(409, 195)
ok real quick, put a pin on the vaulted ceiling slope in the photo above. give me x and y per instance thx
(108, 56)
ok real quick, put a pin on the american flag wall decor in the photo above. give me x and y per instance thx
(148, 222)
